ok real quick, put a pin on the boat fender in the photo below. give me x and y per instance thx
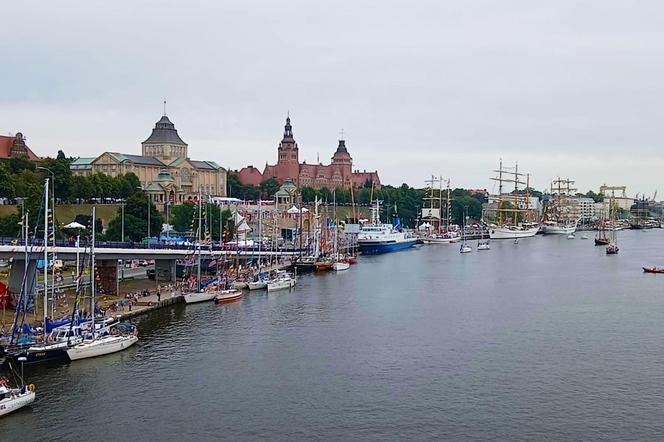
(114, 330)
(31, 387)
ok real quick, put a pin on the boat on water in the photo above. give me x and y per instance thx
(53, 350)
(113, 339)
(378, 238)
(515, 212)
(226, 296)
(199, 296)
(282, 281)
(562, 211)
(324, 265)
(571, 236)
(465, 248)
(653, 270)
(339, 266)
(437, 214)
(483, 245)
(15, 398)
(612, 237)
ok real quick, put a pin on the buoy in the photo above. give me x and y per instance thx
(31, 387)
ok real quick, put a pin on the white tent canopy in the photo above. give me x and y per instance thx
(74, 225)
(294, 210)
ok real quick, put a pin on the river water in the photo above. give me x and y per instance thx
(549, 338)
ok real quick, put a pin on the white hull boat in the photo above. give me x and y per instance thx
(511, 232)
(340, 266)
(257, 285)
(484, 246)
(553, 228)
(194, 297)
(280, 284)
(465, 249)
(12, 399)
(101, 346)
(441, 239)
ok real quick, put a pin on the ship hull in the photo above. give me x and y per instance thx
(375, 248)
(508, 233)
(558, 229)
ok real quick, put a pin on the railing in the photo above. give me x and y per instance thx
(153, 245)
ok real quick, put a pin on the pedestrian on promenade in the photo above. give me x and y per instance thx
(158, 296)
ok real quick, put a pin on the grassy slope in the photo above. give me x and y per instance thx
(65, 213)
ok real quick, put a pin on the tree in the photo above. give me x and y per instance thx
(136, 220)
(17, 164)
(182, 217)
(7, 182)
(9, 225)
(268, 188)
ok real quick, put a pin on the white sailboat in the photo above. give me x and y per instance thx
(282, 281)
(465, 248)
(199, 295)
(102, 340)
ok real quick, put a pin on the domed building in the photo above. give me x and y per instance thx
(165, 171)
(338, 174)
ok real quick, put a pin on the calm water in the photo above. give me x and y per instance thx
(549, 338)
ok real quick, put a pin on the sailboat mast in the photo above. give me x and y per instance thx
(92, 267)
(200, 230)
(45, 252)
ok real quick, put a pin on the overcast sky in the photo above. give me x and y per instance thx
(569, 88)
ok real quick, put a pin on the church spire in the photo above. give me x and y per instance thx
(288, 129)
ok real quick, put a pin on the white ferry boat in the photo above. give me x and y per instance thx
(382, 238)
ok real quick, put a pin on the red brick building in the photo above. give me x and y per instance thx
(339, 173)
(14, 146)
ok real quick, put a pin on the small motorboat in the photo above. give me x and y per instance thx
(240, 285)
(612, 249)
(571, 236)
(483, 245)
(12, 399)
(653, 270)
(228, 296)
(601, 241)
(339, 266)
(465, 249)
(516, 241)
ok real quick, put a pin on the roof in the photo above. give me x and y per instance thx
(6, 143)
(164, 132)
(250, 175)
(209, 165)
(136, 159)
(82, 163)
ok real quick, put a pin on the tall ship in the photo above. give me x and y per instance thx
(515, 212)
(379, 237)
(436, 214)
(562, 211)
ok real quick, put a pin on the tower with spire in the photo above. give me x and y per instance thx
(288, 160)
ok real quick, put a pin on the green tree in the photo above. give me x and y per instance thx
(268, 188)
(136, 220)
(18, 164)
(182, 217)
(9, 225)
(7, 182)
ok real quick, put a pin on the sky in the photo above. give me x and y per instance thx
(566, 88)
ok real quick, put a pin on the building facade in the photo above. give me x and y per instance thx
(14, 146)
(165, 171)
(339, 173)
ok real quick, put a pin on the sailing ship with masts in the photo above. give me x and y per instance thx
(437, 213)
(515, 216)
(562, 212)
